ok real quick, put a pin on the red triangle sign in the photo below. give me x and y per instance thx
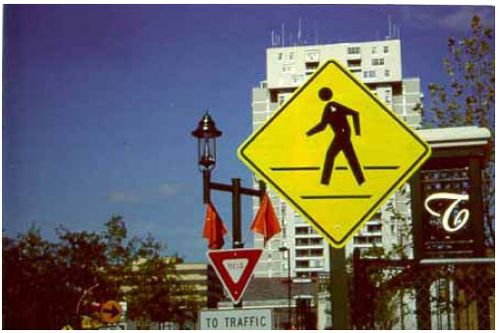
(235, 268)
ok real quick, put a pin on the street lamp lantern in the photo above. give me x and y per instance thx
(207, 134)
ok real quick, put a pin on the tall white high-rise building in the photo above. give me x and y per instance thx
(379, 65)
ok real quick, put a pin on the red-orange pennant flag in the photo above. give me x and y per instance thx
(214, 228)
(266, 222)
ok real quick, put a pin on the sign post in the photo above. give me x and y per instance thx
(339, 288)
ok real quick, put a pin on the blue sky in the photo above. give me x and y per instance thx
(99, 102)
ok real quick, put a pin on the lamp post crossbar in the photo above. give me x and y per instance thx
(208, 185)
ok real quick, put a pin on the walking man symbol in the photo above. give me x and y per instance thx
(335, 115)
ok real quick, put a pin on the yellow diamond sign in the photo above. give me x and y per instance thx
(334, 152)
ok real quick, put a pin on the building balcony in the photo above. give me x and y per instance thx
(354, 56)
(309, 257)
(308, 246)
(355, 68)
(311, 235)
(364, 245)
(309, 269)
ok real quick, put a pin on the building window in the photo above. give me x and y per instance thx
(288, 68)
(283, 218)
(369, 74)
(316, 252)
(297, 79)
(385, 49)
(301, 253)
(281, 99)
(316, 263)
(291, 55)
(301, 241)
(312, 56)
(378, 61)
(353, 50)
(353, 63)
(302, 230)
(373, 50)
(388, 96)
(311, 65)
(360, 240)
(387, 73)
(279, 56)
(316, 241)
(303, 264)
(374, 228)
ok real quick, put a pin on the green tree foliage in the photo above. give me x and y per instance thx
(31, 276)
(48, 285)
(469, 97)
(152, 286)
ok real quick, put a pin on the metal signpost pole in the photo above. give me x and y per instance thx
(339, 288)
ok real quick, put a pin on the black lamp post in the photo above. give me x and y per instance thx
(207, 133)
(286, 249)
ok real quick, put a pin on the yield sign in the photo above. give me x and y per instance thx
(334, 152)
(234, 268)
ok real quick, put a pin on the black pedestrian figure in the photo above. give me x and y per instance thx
(335, 115)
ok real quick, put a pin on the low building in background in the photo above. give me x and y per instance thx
(193, 283)
(272, 293)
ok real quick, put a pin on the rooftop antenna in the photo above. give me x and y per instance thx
(316, 33)
(299, 31)
(389, 27)
(282, 34)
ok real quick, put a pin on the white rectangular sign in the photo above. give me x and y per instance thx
(236, 319)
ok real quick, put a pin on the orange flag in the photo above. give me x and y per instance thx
(214, 228)
(266, 222)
